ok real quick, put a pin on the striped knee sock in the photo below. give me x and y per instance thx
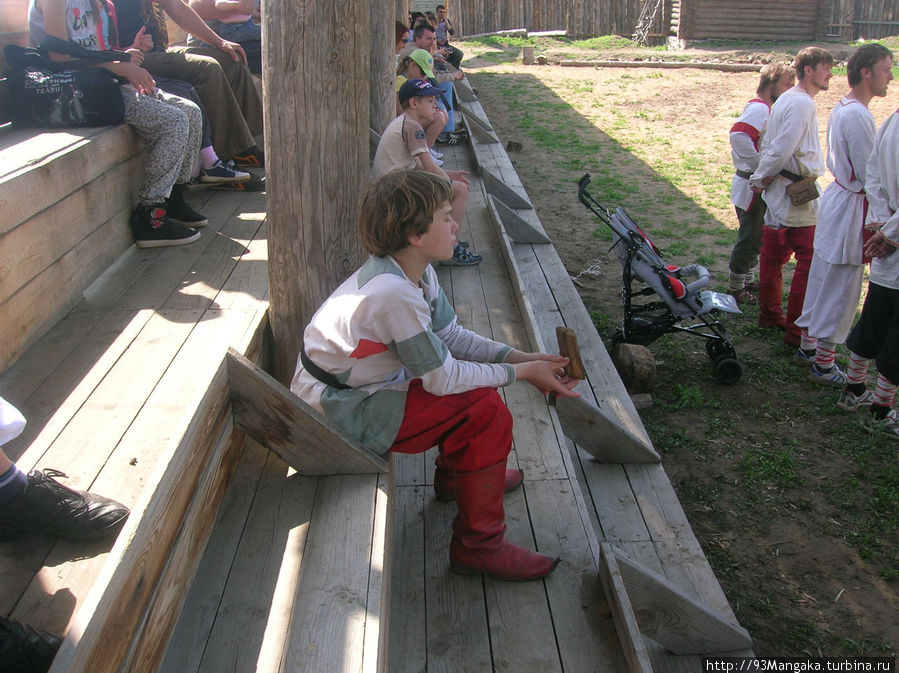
(12, 483)
(824, 355)
(857, 369)
(884, 392)
(806, 342)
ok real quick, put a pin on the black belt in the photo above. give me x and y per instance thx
(744, 174)
(790, 175)
(319, 373)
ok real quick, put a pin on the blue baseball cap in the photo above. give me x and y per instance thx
(417, 87)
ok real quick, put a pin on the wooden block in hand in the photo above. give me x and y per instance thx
(568, 348)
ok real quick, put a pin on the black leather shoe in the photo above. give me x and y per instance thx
(24, 649)
(49, 508)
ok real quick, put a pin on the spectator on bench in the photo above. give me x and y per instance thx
(167, 125)
(37, 504)
(443, 30)
(418, 65)
(219, 74)
(234, 20)
(403, 146)
(385, 360)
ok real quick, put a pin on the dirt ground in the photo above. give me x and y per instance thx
(794, 503)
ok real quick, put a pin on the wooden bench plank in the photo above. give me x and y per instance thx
(408, 625)
(329, 619)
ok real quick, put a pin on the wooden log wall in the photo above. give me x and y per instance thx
(752, 19)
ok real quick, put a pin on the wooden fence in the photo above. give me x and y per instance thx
(795, 20)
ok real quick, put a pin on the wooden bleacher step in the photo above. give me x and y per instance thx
(282, 422)
(668, 615)
(503, 192)
(514, 225)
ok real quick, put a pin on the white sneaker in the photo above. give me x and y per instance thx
(833, 376)
(851, 402)
(435, 153)
(889, 424)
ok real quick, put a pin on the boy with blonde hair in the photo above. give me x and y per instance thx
(385, 360)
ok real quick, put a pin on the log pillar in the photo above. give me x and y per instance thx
(317, 103)
(383, 65)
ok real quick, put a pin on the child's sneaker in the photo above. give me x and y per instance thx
(849, 401)
(889, 424)
(221, 172)
(462, 257)
(804, 356)
(832, 377)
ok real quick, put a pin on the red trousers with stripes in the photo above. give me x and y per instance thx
(473, 429)
(777, 247)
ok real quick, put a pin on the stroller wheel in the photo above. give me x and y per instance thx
(716, 348)
(728, 370)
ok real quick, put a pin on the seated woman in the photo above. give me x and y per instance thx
(234, 20)
(169, 126)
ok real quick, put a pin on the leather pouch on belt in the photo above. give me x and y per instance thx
(802, 191)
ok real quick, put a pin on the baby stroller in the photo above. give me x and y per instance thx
(678, 299)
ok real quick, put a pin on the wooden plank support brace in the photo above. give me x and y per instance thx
(503, 192)
(669, 616)
(280, 421)
(479, 133)
(632, 646)
(602, 436)
(478, 119)
(464, 91)
(518, 229)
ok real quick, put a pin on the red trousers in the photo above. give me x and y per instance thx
(473, 429)
(777, 247)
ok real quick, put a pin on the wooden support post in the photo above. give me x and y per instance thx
(515, 227)
(280, 421)
(316, 127)
(503, 192)
(632, 646)
(675, 620)
(527, 56)
(383, 68)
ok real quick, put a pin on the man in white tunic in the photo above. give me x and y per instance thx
(745, 138)
(791, 151)
(876, 335)
(835, 277)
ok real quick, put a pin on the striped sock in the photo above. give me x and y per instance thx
(824, 355)
(735, 282)
(806, 342)
(857, 370)
(12, 483)
(884, 392)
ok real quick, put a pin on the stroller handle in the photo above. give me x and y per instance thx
(698, 270)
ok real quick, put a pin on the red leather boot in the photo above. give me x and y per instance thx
(445, 480)
(478, 544)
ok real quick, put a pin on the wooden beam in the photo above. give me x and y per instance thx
(675, 620)
(632, 645)
(600, 435)
(464, 90)
(515, 227)
(479, 133)
(471, 114)
(280, 421)
(503, 192)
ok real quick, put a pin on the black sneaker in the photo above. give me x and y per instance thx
(24, 649)
(152, 229)
(251, 158)
(49, 508)
(179, 211)
(254, 184)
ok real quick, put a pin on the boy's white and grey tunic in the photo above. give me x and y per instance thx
(376, 333)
